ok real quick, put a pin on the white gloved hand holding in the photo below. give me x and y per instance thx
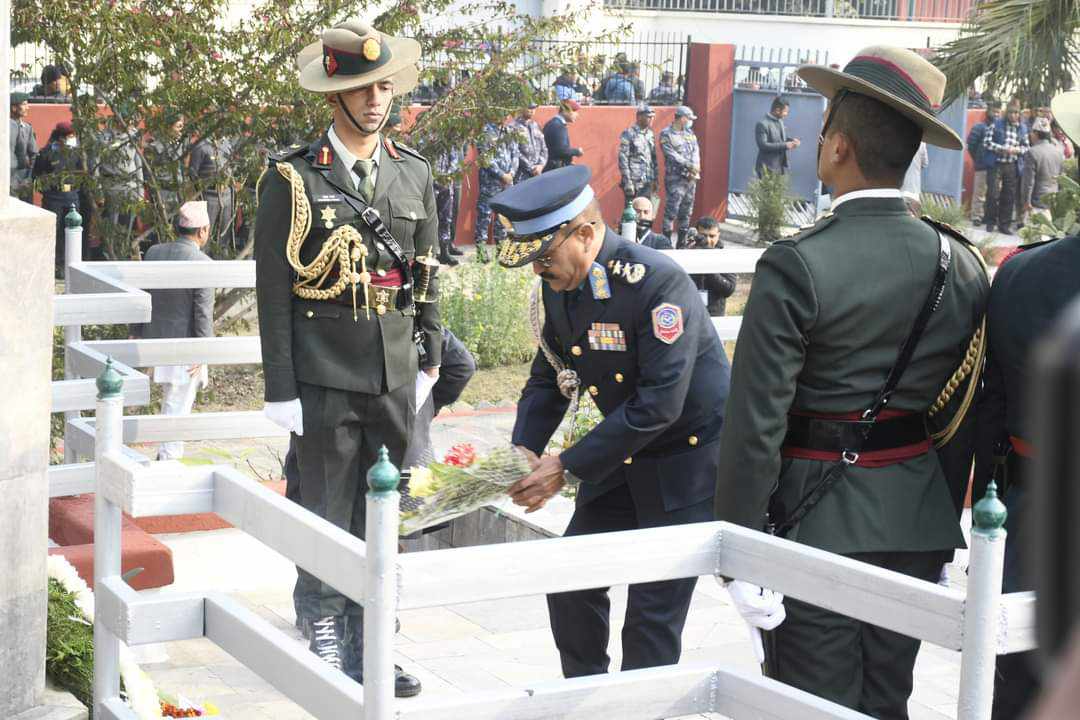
(760, 608)
(288, 415)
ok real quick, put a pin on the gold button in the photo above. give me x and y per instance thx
(692, 440)
(575, 351)
(593, 390)
(618, 377)
(380, 272)
(310, 313)
(381, 309)
(628, 461)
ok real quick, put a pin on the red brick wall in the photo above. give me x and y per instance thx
(710, 95)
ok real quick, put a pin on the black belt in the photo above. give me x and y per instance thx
(835, 436)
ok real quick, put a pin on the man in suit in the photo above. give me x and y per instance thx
(181, 313)
(772, 140)
(809, 449)
(24, 148)
(1030, 291)
(557, 136)
(344, 230)
(627, 321)
(646, 215)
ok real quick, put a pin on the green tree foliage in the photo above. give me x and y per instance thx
(1024, 47)
(136, 65)
(769, 198)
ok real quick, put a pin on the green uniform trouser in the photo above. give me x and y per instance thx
(850, 662)
(343, 432)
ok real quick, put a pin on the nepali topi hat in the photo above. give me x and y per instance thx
(352, 55)
(537, 208)
(900, 78)
(193, 215)
(1066, 109)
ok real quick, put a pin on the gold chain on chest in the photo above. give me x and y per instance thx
(346, 245)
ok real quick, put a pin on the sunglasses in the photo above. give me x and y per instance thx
(545, 261)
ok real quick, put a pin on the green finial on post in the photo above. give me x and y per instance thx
(109, 382)
(73, 219)
(988, 515)
(383, 477)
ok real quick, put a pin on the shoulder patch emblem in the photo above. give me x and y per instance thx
(667, 322)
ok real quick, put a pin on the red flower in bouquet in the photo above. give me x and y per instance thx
(461, 455)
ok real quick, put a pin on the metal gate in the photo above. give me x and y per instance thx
(762, 74)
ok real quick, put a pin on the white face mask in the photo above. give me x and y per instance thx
(689, 124)
(71, 141)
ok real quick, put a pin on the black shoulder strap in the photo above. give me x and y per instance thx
(782, 525)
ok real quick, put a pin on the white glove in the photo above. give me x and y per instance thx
(288, 415)
(761, 609)
(424, 384)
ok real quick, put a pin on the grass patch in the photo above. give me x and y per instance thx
(494, 385)
(69, 645)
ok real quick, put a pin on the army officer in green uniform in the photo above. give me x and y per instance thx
(821, 389)
(347, 298)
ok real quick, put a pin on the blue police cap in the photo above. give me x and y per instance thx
(537, 207)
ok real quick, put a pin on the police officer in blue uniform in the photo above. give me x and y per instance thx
(623, 323)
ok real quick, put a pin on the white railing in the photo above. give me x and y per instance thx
(980, 624)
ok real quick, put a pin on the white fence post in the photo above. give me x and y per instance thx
(982, 625)
(108, 438)
(72, 333)
(380, 588)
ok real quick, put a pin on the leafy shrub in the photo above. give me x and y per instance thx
(769, 198)
(943, 211)
(487, 307)
(1064, 208)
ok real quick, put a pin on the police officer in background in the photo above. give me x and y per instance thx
(60, 176)
(532, 149)
(637, 156)
(208, 164)
(343, 340)
(498, 152)
(1030, 291)
(682, 170)
(24, 148)
(623, 323)
(826, 439)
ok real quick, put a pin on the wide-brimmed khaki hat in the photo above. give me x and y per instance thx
(897, 77)
(352, 55)
(1066, 109)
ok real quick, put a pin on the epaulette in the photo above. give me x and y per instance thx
(398, 147)
(1040, 243)
(630, 272)
(947, 229)
(807, 230)
(287, 153)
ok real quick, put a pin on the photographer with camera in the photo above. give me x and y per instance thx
(715, 288)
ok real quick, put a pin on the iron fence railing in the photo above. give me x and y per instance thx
(653, 54)
(909, 10)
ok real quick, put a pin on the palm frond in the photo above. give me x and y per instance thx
(1027, 47)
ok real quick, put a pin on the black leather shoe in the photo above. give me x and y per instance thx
(454, 250)
(448, 260)
(405, 685)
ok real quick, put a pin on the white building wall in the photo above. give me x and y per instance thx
(842, 38)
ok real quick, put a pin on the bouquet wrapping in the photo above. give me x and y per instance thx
(460, 484)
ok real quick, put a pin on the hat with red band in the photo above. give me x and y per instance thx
(900, 78)
(352, 55)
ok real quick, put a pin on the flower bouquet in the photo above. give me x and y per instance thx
(461, 483)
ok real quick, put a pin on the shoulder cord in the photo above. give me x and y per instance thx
(345, 244)
(972, 365)
(566, 378)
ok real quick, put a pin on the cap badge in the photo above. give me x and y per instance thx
(371, 49)
(329, 214)
(330, 63)
(667, 322)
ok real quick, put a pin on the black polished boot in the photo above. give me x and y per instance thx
(405, 685)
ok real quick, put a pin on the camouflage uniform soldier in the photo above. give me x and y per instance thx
(447, 164)
(496, 174)
(682, 169)
(532, 148)
(637, 156)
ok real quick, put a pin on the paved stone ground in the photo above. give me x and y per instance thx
(454, 649)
